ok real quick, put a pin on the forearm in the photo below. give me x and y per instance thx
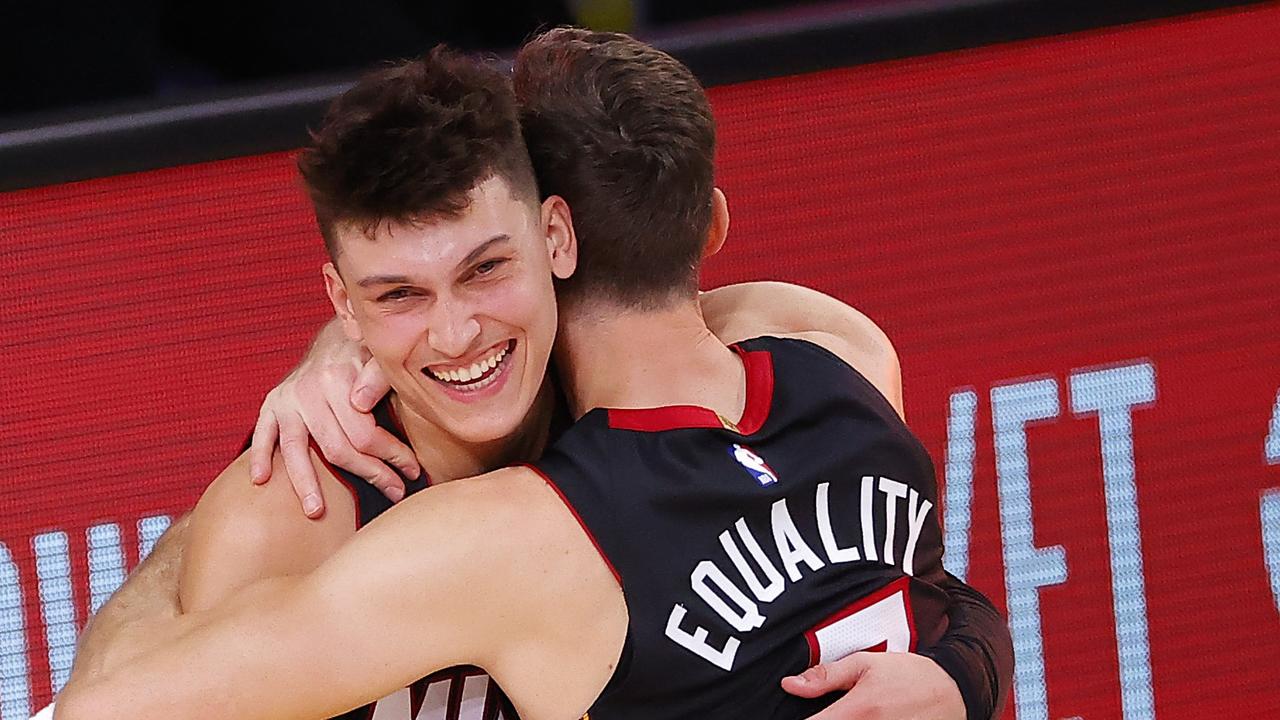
(976, 651)
(257, 643)
(136, 616)
(161, 681)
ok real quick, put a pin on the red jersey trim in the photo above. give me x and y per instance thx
(590, 536)
(759, 367)
(902, 585)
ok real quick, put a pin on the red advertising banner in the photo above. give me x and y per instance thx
(1073, 242)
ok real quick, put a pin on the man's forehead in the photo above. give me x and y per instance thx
(492, 216)
(399, 271)
(489, 202)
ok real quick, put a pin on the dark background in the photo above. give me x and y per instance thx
(69, 54)
(91, 90)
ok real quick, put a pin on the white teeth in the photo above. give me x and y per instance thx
(472, 373)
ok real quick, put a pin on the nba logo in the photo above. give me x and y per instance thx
(754, 464)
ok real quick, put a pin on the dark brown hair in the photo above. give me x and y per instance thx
(623, 132)
(409, 142)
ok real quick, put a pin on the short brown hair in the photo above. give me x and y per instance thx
(624, 133)
(410, 141)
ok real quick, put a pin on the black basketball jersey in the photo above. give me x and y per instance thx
(807, 532)
(459, 693)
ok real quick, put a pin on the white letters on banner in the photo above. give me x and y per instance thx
(1026, 567)
(1111, 394)
(57, 603)
(962, 419)
(15, 692)
(1271, 506)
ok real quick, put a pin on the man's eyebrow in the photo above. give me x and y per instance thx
(475, 254)
(406, 280)
(384, 280)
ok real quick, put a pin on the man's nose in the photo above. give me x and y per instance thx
(454, 331)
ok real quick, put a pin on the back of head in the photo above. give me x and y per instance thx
(409, 142)
(624, 133)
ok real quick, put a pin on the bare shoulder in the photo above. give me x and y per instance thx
(502, 515)
(582, 622)
(530, 580)
(241, 532)
(747, 310)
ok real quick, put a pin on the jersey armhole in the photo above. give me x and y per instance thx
(623, 667)
(581, 523)
(842, 363)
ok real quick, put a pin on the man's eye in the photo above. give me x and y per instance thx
(488, 266)
(397, 294)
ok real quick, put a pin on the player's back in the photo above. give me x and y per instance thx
(807, 532)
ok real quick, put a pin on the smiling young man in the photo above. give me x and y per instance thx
(463, 226)
(459, 286)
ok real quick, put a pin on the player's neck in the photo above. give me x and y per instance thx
(621, 358)
(445, 457)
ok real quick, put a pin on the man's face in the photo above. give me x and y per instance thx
(459, 312)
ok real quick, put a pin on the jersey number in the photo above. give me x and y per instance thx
(881, 621)
(465, 697)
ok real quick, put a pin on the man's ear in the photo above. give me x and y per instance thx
(719, 228)
(562, 242)
(341, 301)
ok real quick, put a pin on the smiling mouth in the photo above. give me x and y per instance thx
(479, 374)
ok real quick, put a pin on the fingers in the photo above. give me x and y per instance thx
(821, 679)
(878, 685)
(294, 448)
(316, 401)
(332, 436)
(373, 443)
(370, 386)
(387, 447)
(372, 471)
(808, 684)
(265, 433)
(826, 678)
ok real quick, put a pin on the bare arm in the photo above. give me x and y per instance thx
(241, 533)
(136, 615)
(232, 538)
(747, 310)
(477, 597)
